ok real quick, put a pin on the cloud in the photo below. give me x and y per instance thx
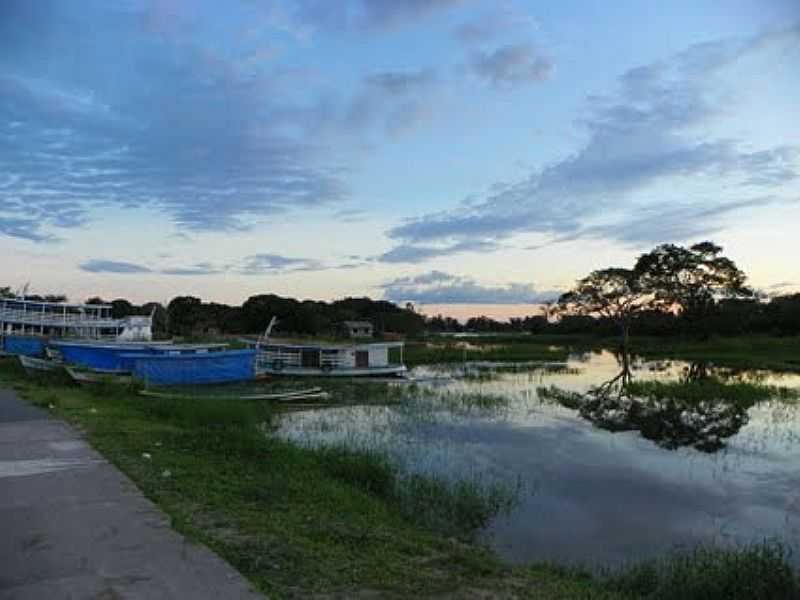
(783, 288)
(203, 268)
(259, 264)
(395, 101)
(26, 229)
(256, 264)
(645, 139)
(369, 14)
(511, 66)
(437, 287)
(170, 125)
(113, 266)
(499, 22)
(401, 82)
(411, 253)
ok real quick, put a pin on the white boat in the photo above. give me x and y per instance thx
(330, 360)
(99, 376)
(26, 325)
(30, 363)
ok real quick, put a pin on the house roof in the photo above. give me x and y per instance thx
(357, 324)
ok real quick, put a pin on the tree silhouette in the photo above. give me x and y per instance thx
(690, 280)
(613, 293)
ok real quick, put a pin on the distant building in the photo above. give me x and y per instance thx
(356, 329)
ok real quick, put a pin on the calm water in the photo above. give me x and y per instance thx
(589, 495)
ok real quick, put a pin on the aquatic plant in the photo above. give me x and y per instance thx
(756, 572)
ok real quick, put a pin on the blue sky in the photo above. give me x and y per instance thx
(447, 152)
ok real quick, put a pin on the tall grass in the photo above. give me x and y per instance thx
(457, 508)
(757, 572)
(743, 394)
(478, 350)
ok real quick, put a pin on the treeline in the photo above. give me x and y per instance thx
(190, 316)
(777, 316)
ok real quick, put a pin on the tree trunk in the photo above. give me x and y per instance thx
(625, 331)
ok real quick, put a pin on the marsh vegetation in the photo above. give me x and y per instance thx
(465, 477)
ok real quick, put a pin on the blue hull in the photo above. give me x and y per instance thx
(193, 369)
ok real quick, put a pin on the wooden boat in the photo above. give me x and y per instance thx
(31, 364)
(99, 376)
(330, 360)
(314, 393)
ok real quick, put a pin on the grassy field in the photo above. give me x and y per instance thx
(746, 352)
(335, 523)
(449, 350)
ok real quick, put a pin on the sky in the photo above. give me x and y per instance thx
(470, 156)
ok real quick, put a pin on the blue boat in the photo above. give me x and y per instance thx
(104, 357)
(196, 368)
(24, 345)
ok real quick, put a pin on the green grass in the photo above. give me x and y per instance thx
(449, 351)
(742, 394)
(743, 352)
(753, 572)
(301, 521)
(293, 520)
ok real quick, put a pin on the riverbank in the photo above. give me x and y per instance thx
(298, 522)
(742, 352)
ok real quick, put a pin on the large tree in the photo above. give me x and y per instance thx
(614, 293)
(690, 280)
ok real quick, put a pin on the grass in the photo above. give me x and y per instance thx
(295, 521)
(710, 389)
(744, 352)
(301, 521)
(758, 572)
(450, 351)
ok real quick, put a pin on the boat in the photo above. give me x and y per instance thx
(28, 326)
(193, 368)
(33, 364)
(314, 393)
(80, 375)
(331, 360)
(21, 317)
(327, 360)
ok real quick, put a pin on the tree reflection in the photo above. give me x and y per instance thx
(671, 423)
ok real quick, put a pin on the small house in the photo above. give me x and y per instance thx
(357, 329)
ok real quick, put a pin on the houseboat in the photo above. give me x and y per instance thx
(27, 325)
(330, 360)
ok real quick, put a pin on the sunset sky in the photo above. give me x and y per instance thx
(469, 156)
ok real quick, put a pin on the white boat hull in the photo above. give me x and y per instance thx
(96, 376)
(30, 363)
(338, 372)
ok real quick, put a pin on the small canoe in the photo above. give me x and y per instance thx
(99, 376)
(30, 363)
(284, 395)
(315, 393)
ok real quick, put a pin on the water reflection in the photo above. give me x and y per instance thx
(615, 405)
(675, 476)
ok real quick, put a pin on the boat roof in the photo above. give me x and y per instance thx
(56, 304)
(330, 346)
(133, 346)
(187, 357)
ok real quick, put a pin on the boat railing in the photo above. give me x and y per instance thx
(282, 357)
(11, 315)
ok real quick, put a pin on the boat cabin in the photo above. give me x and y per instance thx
(335, 360)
